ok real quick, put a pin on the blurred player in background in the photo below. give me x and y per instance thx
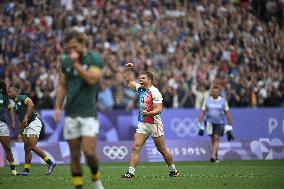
(5, 105)
(29, 130)
(150, 123)
(215, 108)
(81, 70)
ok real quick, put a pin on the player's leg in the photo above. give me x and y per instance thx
(28, 156)
(89, 150)
(72, 133)
(139, 140)
(33, 132)
(215, 147)
(33, 139)
(218, 130)
(76, 169)
(5, 141)
(161, 147)
(89, 130)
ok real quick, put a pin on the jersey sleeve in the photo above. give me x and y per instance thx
(96, 62)
(24, 99)
(157, 97)
(10, 104)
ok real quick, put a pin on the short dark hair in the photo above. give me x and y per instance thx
(149, 75)
(3, 87)
(216, 87)
(73, 34)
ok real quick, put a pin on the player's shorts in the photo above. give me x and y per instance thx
(33, 129)
(75, 127)
(4, 131)
(214, 129)
(154, 130)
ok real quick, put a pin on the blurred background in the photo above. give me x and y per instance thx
(189, 45)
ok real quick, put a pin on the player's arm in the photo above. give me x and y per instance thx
(91, 75)
(20, 132)
(60, 95)
(128, 75)
(200, 119)
(30, 107)
(228, 114)
(157, 105)
(157, 109)
(202, 112)
(228, 128)
(12, 117)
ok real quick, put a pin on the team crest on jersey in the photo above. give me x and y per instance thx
(1, 101)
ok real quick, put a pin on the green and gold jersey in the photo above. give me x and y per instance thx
(81, 96)
(21, 108)
(4, 105)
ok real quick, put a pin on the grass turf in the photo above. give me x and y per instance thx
(227, 174)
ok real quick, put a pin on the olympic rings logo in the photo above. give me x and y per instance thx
(184, 127)
(115, 152)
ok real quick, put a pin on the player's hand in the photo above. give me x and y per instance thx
(144, 113)
(25, 121)
(129, 65)
(57, 114)
(201, 129)
(13, 126)
(20, 138)
(74, 56)
(228, 128)
(230, 136)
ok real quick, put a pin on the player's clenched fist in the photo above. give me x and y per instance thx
(74, 56)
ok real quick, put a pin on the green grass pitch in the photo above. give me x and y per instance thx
(226, 174)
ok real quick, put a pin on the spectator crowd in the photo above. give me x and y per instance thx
(189, 45)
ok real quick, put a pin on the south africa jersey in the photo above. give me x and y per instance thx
(4, 104)
(147, 99)
(21, 108)
(81, 96)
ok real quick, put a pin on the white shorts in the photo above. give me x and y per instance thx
(4, 131)
(75, 127)
(33, 129)
(154, 130)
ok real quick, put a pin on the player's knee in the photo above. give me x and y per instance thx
(7, 148)
(75, 155)
(89, 154)
(27, 148)
(216, 137)
(33, 147)
(136, 147)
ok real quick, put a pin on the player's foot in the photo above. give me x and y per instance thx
(127, 175)
(174, 174)
(98, 185)
(212, 160)
(14, 172)
(50, 168)
(23, 173)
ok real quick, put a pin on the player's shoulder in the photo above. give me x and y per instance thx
(154, 90)
(22, 97)
(96, 58)
(64, 57)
